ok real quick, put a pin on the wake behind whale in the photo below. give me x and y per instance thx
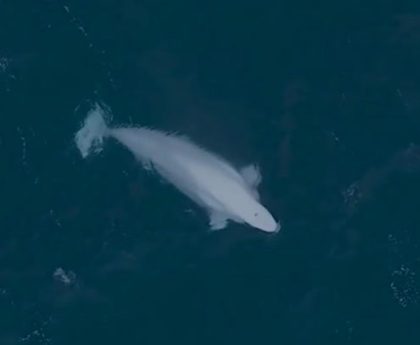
(207, 179)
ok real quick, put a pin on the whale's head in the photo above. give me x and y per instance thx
(260, 218)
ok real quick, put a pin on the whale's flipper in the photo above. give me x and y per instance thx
(218, 220)
(252, 176)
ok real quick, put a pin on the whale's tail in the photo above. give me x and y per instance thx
(90, 137)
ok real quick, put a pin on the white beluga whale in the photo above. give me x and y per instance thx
(206, 178)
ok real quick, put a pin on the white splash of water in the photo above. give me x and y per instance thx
(4, 64)
(90, 137)
(404, 280)
(66, 278)
(403, 286)
(39, 335)
(23, 141)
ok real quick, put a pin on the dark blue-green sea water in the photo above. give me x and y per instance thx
(325, 97)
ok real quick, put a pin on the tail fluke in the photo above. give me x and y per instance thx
(90, 137)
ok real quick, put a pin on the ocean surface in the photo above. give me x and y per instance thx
(324, 97)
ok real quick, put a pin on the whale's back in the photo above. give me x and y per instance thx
(169, 150)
